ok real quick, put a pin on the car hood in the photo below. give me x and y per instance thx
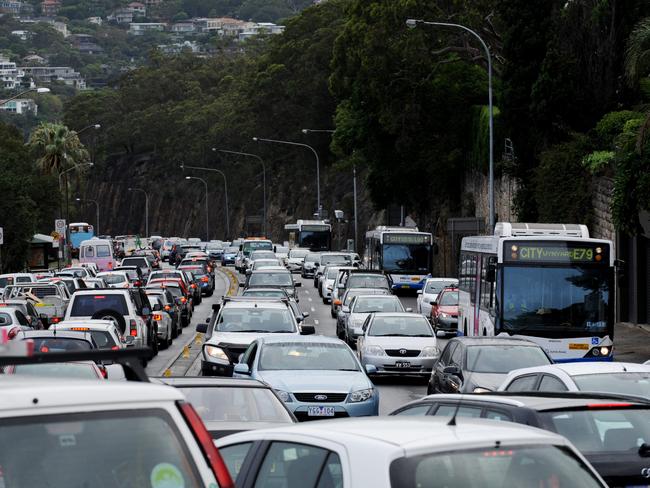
(244, 338)
(357, 318)
(316, 381)
(392, 342)
(490, 381)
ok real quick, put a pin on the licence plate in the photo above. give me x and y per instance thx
(406, 286)
(320, 411)
(402, 364)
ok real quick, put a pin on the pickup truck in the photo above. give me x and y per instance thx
(50, 300)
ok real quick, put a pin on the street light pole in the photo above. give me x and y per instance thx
(225, 186)
(37, 90)
(67, 216)
(412, 23)
(92, 126)
(97, 211)
(207, 211)
(263, 179)
(146, 210)
(290, 143)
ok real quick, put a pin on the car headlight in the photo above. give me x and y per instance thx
(430, 352)
(362, 395)
(373, 351)
(445, 315)
(356, 322)
(284, 396)
(216, 353)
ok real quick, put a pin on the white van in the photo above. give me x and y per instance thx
(98, 251)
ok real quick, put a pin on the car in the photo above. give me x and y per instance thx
(73, 284)
(50, 298)
(95, 283)
(247, 262)
(120, 431)
(341, 316)
(295, 259)
(338, 288)
(272, 278)
(26, 306)
(444, 311)
(215, 251)
(196, 293)
(230, 405)
(115, 279)
(277, 293)
(398, 343)
(136, 277)
(392, 452)
(429, 293)
(76, 272)
(309, 264)
(141, 262)
(229, 255)
(357, 278)
(316, 377)
(592, 376)
(326, 286)
(480, 364)
(15, 279)
(78, 370)
(62, 341)
(264, 263)
(163, 321)
(180, 297)
(237, 322)
(359, 309)
(202, 278)
(165, 297)
(12, 321)
(329, 259)
(104, 332)
(607, 430)
(166, 249)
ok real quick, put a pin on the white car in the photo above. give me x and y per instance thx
(164, 323)
(99, 433)
(115, 279)
(296, 259)
(603, 377)
(363, 305)
(429, 293)
(394, 452)
(15, 279)
(104, 332)
(328, 280)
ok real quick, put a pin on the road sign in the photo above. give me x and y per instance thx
(2, 236)
(59, 226)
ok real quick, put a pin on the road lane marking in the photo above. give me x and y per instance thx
(310, 299)
(313, 309)
(316, 322)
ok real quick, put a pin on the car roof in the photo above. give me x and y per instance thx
(298, 338)
(392, 297)
(257, 302)
(399, 314)
(585, 368)
(410, 436)
(442, 279)
(493, 341)
(207, 381)
(27, 394)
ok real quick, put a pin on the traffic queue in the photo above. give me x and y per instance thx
(499, 405)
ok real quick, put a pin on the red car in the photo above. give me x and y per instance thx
(444, 311)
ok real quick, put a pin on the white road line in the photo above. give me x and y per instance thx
(313, 309)
(316, 322)
(310, 299)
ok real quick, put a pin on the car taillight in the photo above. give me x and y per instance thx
(209, 450)
(157, 317)
(193, 285)
(44, 349)
(115, 348)
(167, 308)
(210, 269)
(134, 328)
(137, 283)
(104, 372)
(110, 265)
(55, 320)
(205, 279)
(183, 300)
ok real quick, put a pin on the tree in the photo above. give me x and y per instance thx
(56, 148)
(637, 53)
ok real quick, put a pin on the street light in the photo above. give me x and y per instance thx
(92, 126)
(37, 90)
(146, 209)
(263, 178)
(96, 208)
(225, 186)
(318, 206)
(412, 23)
(207, 212)
(307, 131)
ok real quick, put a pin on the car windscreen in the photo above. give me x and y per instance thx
(230, 404)
(60, 344)
(255, 319)
(400, 326)
(435, 287)
(449, 299)
(88, 305)
(335, 259)
(321, 356)
(377, 304)
(332, 273)
(298, 253)
(514, 466)
(351, 294)
(114, 279)
(265, 293)
(58, 370)
(312, 257)
(125, 448)
(504, 358)
(367, 281)
(625, 383)
(159, 275)
(273, 279)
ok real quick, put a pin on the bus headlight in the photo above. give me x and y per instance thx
(604, 351)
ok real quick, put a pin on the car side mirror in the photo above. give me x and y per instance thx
(305, 314)
(241, 285)
(216, 307)
(371, 369)
(345, 309)
(202, 327)
(307, 330)
(297, 284)
(129, 340)
(242, 368)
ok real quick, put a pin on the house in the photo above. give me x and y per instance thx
(138, 9)
(94, 20)
(220, 25)
(20, 106)
(186, 27)
(48, 74)
(10, 6)
(86, 44)
(49, 8)
(139, 28)
(10, 75)
(261, 28)
(121, 16)
(33, 59)
(23, 35)
(60, 27)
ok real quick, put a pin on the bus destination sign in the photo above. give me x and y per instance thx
(555, 252)
(407, 239)
(315, 228)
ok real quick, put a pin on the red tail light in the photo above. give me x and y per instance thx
(204, 439)
(115, 348)
(133, 328)
(137, 283)
(56, 320)
(205, 279)
(167, 308)
(210, 269)
(45, 349)
(193, 285)
(157, 317)
(104, 372)
(596, 406)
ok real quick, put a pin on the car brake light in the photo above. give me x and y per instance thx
(55, 320)
(193, 285)
(167, 308)
(134, 328)
(45, 349)
(205, 279)
(608, 405)
(115, 348)
(157, 317)
(204, 439)
(183, 300)
(137, 283)
(104, 372)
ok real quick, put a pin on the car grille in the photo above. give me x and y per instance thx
(311, 397)
(303, 417)
(233, 351)
(408, 353)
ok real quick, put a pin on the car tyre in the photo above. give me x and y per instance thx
(109, 314)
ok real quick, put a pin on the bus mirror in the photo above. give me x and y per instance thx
(491, 273)
(619, 264)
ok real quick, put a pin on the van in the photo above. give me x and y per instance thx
(98, 251)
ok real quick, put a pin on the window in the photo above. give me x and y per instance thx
(457, 356)
(89, 252)
(415, 410)
(449, 410)
(523, 383)
(103, 251)
(551, 383)
(487, 287)
(498, 415)
(446, 354)
(234, 457)
(291, 465)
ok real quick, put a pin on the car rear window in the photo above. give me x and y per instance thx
(140, 262)
(109, 449)
(114, 279)
(103, 251)
(88, 305)
(59, 344)
(103, 339)
(78, 371)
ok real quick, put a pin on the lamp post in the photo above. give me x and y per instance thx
(207, 212)
(146, 209)
(92, 126)
(300, 144)
(183, 166)
(67, 216)
(97, 211)
(37, 90)
(412, 23)
(263, 178)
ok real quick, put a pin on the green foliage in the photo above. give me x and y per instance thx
(56, 148)
(596, 161)
(610, 127)
(631, 190)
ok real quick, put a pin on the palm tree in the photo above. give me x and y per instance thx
(56, 148)
(637, 52)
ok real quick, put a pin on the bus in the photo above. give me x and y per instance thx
(79, 231)
(315, 235)
(404, 253)
(548, 283)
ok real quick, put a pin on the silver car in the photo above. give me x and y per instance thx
(398, 343)
(429, 293)
(341, 316)
(363, 305)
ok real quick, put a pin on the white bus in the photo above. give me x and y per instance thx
(404, 253)
(315, 235)
(548, 283)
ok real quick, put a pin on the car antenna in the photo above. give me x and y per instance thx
(452, 420)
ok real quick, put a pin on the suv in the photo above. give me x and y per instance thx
(239, 321)
(129, 309)
(141, 262)
(273, 278)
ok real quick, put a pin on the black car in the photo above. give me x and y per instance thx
(230, 405)
(201, 277)
(611, 431)
(479, 364)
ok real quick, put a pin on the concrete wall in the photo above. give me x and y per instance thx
(602, 226)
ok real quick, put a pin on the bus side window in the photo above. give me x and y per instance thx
(487, 287)
(471, 277)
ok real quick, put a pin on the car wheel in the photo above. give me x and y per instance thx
(175, 328)
(112, 316)
(170, 338)
(325, 301)
(210, 293)
(430, 390)
(154, 341)
(333, 315)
